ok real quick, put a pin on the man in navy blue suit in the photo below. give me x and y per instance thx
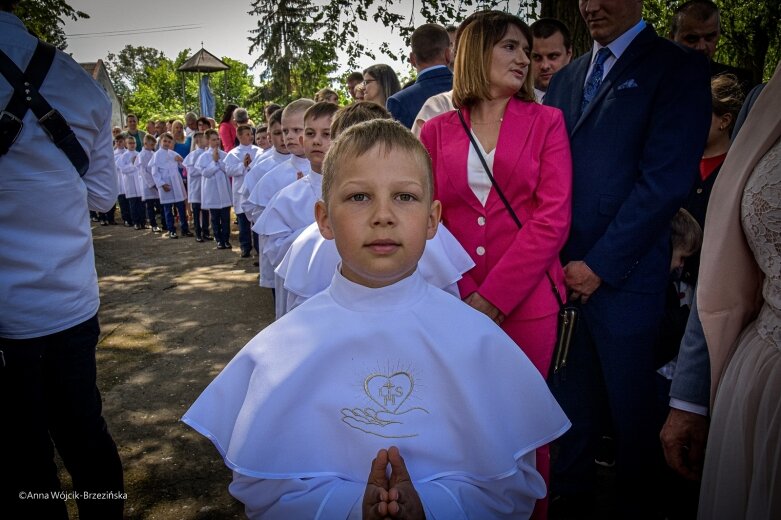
(430, 56)
(637, 109)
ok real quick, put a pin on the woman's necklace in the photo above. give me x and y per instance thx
(487, 122)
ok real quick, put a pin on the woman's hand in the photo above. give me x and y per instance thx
(481, 304)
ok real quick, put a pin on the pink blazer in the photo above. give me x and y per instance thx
(533, 167)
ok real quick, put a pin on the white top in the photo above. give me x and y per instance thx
(275, 179)
(478, 180)
(48, 281)
(165, 170)
(266, 163)
(435, 105)
(129, 171)
(194, 176)
(311, 260)
(215, 187)
(234, 167)
(617, 48)
(147, 181)
(309, 401)
(119, 152)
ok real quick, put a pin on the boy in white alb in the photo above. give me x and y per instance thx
(277, 155)
(128, 166)
(237, 164)
(215, 189)
(292, 208)
(149, 194)
(165, 171)
(378, 366)
(286, 173)
(195, 176)
(119, 151)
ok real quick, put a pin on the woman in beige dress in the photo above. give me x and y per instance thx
(739, 298)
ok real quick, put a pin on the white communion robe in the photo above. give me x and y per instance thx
(145, 173)
(129, 171)
(215, 188)
(309, 264)
(119, 152)
(274, 180)
(165, 170)
(303, 408)
(194, 176)
(234, 167)
(264, 165)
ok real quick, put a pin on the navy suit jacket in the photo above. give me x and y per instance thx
(635, 153)
(405, 104)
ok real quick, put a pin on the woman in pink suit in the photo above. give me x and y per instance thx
(526, 147)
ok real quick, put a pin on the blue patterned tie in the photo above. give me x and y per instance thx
(595, 79)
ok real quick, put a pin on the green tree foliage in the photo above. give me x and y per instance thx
(45, 19)
(152, 87)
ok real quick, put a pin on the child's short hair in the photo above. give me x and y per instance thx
(275, 117)
(167, 135)
(149, 138)
(121, 136)
(210, 132)
(262, 129)
(243, 128)
(686, 232)
(204, 121)
(324, 93)
(391, 136)
(320, 109)
(358, 112)
(299, 105)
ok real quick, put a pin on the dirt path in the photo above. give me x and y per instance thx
(173, 313)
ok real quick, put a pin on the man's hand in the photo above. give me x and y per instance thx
(375, 497)
(484, 306)
(404, 500)
(683, 439)
(581, 280)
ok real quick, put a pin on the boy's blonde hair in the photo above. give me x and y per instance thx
(299, 105)
(358, 112)
(210, 132)
(686, 232)
(148, 138)
(390, 136)
(243, 128)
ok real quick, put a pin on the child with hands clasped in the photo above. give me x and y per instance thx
(378, 365)
(165, 171)
(215, 189)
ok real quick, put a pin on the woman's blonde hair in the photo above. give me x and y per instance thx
(475, 40)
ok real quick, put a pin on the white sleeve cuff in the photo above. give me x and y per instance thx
(688, 407)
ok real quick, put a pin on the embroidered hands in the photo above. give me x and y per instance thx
(394, 497)
(383, 423)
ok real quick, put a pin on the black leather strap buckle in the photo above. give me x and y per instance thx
(55, 126)
(10, 128)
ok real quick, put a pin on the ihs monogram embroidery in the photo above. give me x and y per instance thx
(389, 392)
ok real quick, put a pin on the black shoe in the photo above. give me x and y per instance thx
(114, 223)
(228, 245)
(198, 239)
(137, 227)
(245, 254)
(220, 246)
(173, 234)
(187, 234)
(128, 224)
(104, 223)
(207, 237)
(94, 219)
(256, 263)
(606, 452)
(156, 229)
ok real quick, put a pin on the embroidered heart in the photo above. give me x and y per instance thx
(389, 392)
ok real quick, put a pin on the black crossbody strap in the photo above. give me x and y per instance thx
(27, 95)
(504, 199)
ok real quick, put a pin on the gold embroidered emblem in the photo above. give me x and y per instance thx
(389, 392)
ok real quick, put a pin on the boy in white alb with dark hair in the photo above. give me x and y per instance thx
(215, 189)
(149, 194)
(379, 366)
(237, 163)
(194, 187)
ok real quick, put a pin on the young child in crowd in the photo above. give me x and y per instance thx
(291, 209)
(237, 164)
(379, 366)
(149, 194)
(195, 176)
(215, 189)
(261, 139)
(276, 156)
(309, 263)
(128, 166)
(119, 150)
(170, 185)
(286, 173)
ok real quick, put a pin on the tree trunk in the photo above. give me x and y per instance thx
(569, 13)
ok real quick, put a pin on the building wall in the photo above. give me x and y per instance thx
(116, 107)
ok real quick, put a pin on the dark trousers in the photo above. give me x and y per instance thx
(150, 211)
(610, 379)
(108, 216)
(169, 216)
(245, 230)
(124, 209)
(48, 394)
(221, 225)
(256, 243)
(136, 211)
(200, 220)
